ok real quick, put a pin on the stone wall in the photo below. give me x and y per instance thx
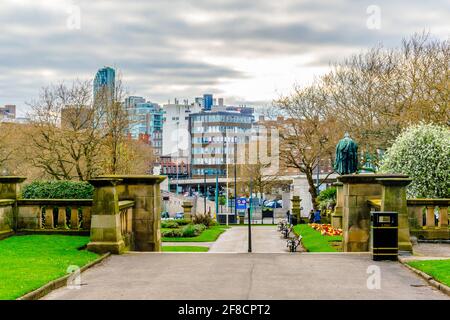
(6, 217)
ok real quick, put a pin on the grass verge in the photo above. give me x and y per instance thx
(29, 262)
(209, 235)
(184, 249)
(438, 269)
(313, 241)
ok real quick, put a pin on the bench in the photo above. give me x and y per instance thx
(268, 213)
(293, 243)
(286, 231)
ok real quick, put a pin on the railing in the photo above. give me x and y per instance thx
(428, 218)
(428, 213)
(72, 214)
(126, 221)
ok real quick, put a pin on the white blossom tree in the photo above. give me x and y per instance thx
(423, 152)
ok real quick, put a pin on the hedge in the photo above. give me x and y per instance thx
(58, 190)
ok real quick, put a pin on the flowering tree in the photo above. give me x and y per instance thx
(423, 152)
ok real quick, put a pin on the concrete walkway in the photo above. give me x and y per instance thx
(265, 239)
(245, 276)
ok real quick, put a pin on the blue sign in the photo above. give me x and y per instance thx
(241, 204)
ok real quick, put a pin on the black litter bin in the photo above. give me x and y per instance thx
(384, 235)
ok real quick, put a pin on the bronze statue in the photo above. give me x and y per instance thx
(346, 156)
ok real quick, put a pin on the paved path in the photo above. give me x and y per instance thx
(265, 239)
(245, 276)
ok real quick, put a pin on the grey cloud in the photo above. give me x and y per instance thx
(151, 41)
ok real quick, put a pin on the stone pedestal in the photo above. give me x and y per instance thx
(296, 211)
(187, 210)
(393, 198)
(336, 215)
(358, 188)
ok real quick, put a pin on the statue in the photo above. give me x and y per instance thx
(346, 156)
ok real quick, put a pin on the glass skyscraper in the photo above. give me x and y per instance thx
(105, 80)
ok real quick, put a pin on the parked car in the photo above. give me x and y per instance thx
(179, 215)
(273, 204)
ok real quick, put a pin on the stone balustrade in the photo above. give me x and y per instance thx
(428, 218)
(51, 214)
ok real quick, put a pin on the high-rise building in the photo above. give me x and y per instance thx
(104, 82)
(146, 120)
(207, 101)
(176, 128)
(215, 135)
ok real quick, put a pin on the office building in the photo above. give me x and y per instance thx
(176, 128)
(214, 137)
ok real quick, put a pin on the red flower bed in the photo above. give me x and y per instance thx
(326, 229)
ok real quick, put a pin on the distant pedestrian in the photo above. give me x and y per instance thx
(317, 217)
(311, 216)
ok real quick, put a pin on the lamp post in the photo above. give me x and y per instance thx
(235, 179)
(204, 191)
(250, 218)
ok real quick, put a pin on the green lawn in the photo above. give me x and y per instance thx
(313, 241)
(209, 235)
(29, 262)
(184, 249)
(438, 269)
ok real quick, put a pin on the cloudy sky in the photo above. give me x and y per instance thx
(245, 51)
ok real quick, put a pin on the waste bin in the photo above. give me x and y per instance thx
(384, 227)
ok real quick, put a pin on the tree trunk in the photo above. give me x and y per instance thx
(312, 189)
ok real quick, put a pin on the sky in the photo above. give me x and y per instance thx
(248, 52)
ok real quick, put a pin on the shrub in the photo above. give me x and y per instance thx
(58, 190)
(182, 222)
(204, 219)
(187, 231)
(327, 198)
(422, 152)
(169, 224)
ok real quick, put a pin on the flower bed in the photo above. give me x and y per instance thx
(326, 229)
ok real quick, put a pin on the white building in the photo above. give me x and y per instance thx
(176, 140)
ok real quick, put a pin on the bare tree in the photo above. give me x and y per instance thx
(308, 137)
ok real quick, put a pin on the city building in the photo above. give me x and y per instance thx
(146, 121)
(215, 135)
(208, 101)
(174, 168)
(176, 141)
(104, 81)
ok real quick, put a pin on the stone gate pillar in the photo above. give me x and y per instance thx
(9, 190)
(393, 198)
(105, 219)
(10, 187)
(145, 191)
